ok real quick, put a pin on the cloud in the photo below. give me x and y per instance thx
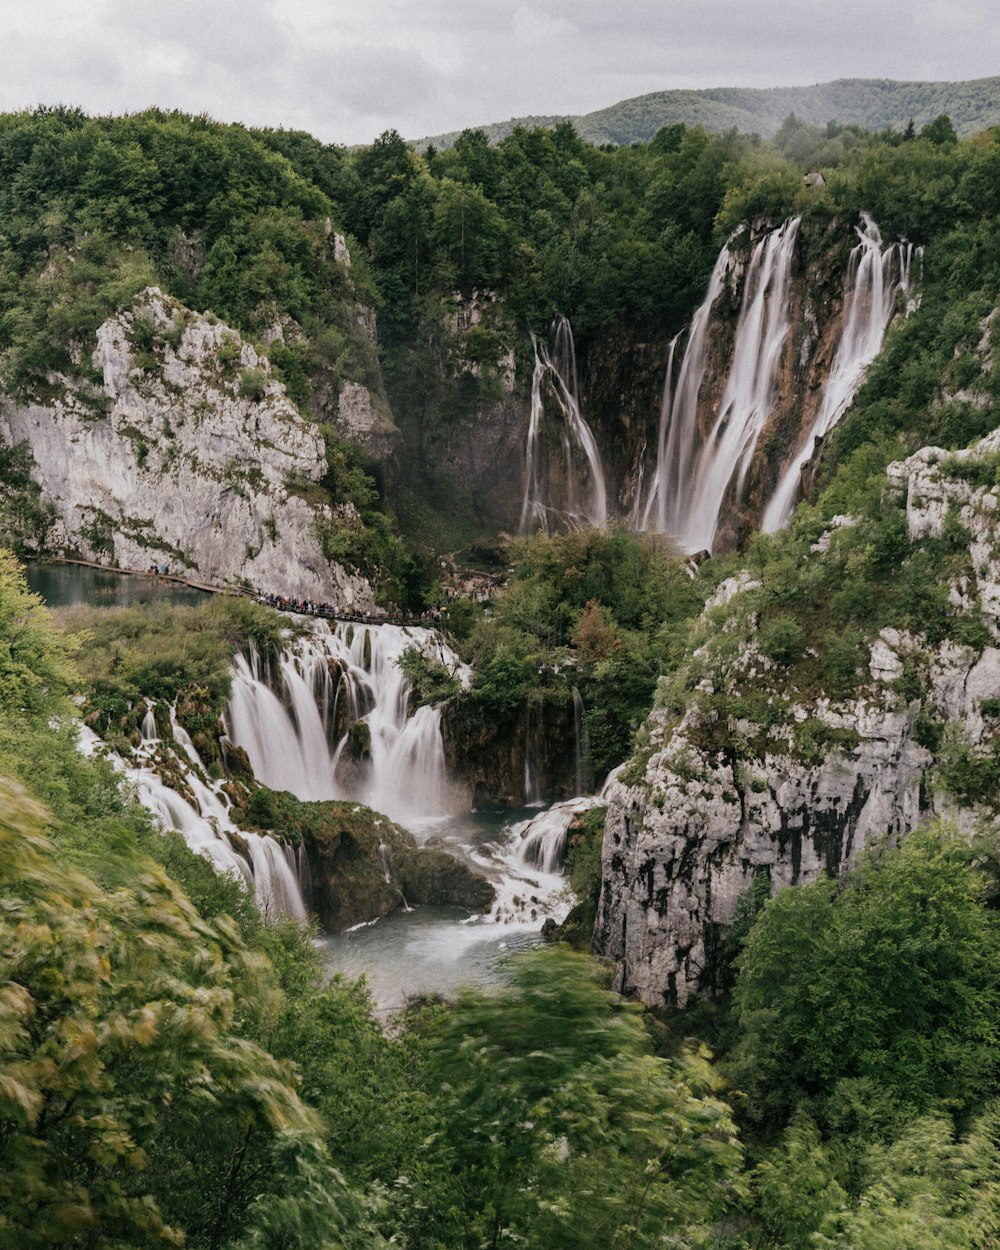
(347, 70)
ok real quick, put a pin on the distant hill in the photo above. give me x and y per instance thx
(873, 103)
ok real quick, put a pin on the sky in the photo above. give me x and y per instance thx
(346, 70)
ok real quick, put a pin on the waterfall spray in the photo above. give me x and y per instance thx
(751, 388)
(677, 441)
(288, 722)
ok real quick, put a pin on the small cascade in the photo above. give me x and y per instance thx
(149, 723)
(542, 842)
(875, 278)
(581, 745)
(203, 819)
(555, 377)
(291, 722)
(751, 388)
(385, 860)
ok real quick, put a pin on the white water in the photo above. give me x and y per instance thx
(677, 443)
(269, 869)
(541, 841)
(555, 376)
(346, 674)
(328, 678)
(751, 388)
(874, 279)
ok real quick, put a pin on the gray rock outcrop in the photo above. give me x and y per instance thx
(188, 453)
(696, 816)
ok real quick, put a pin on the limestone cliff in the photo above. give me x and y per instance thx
(753, 772)
(187, 452)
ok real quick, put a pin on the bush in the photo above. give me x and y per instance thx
(253, 384)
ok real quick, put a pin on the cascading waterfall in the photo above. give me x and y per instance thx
(751, 387)
(677, 441)
(874, 280)
(541, 841)
(270, 869)
(293, 741)
(555, 375)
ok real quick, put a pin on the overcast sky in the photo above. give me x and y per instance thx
(348, 69)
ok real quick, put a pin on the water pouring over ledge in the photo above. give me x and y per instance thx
(698, 475)
(554, 376)
(297, 721)
(875, 277)
(693, 474)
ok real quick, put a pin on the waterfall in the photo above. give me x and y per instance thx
(874, 279)
(532, 780)
(677, 441)
(751, 388)
(202, 818)
(541, 841)
(555, 375)
(581, 745)
(289, 722)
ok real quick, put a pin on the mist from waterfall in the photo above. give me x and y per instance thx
(330, 721)
(874, 279)
(555, 377)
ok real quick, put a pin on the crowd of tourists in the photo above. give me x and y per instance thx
(380, 616)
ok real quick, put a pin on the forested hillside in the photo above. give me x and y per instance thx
(872, 103)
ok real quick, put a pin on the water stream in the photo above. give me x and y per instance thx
(874, 279)
(555, 377)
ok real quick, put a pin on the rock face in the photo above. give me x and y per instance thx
(507, 762)
(188, 454)
(694, 818)
(363, 418)
(363, 867)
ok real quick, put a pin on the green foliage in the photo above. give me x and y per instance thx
(585, 840)
(253, 384)
(927, 1190)
(25, 519)
(431, 682)
(615, 606)
(546, 1139)
(124, 1080)
(888, 984)
(170, 654)
(34, 671)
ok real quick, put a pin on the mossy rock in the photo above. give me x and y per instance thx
(347, 845)
(359, 741)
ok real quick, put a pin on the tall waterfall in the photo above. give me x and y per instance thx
(555, 376)
(874, 279)
(751, 388)
(330, 722)
(677, 444)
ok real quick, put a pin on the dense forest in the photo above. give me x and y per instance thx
(174, 1067)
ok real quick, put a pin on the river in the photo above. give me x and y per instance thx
(412, 953)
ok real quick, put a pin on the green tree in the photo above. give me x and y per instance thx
(886, 989)
(561, 1127)
(132, 1113)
